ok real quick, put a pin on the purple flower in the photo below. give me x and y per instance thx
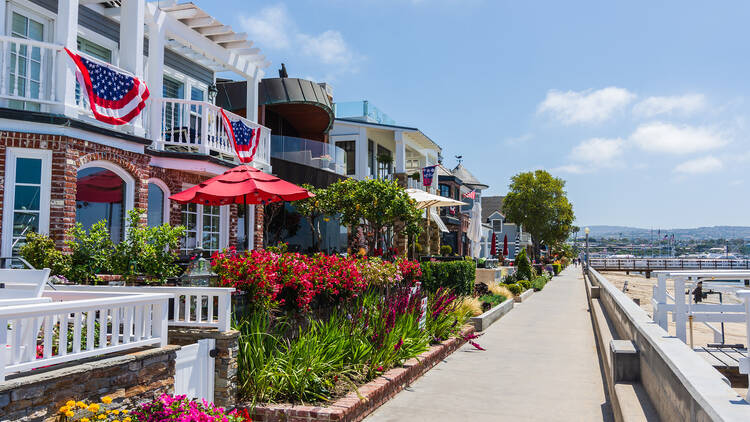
(399, 344)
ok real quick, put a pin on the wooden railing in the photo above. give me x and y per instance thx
(668, 264)
(196, 126)
(208, 307)
(83, 325)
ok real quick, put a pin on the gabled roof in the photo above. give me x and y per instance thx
(465, 175)
(491, 204)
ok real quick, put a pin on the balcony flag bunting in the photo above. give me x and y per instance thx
(115, 96)
(244, 138)
(427, 174)
(518, 244)
(471, 195)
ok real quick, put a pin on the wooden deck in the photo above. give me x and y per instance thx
(726, 361)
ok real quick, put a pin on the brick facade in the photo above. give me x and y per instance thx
(69, 154)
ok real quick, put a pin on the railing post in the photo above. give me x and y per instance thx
(660, 315)
(204, 130)
(4, 352)
(160, 327)
(745, 361)
(224, 312)
(680, 308)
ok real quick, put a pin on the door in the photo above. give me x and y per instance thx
(194, 370)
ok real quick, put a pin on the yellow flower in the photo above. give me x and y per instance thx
(69, 414)
(102, 416)
(125, 411)
(93, 408)
(106, 399)
(84, 420)
(126, 419)
(116, 412)
(64, 409)
(116, 420)
(81, 404)
(70, 403)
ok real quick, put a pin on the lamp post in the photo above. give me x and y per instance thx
(587, 230)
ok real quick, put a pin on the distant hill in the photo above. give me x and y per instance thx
(699, 233)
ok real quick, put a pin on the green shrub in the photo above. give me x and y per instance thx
(446, 250)
(39, 251)
(492, 299)
(526, 284)
(510, 279)
(539, 283)
(91, 253)
(524, 271)
(455, 275)
(150, 251)
(556, 268)
(514, 288)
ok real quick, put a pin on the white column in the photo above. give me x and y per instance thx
(252, 97)
(155, 77)
(400, 152)
(66, 32)
(745, 361)
(680, 308)
(660, 299)
(3, 3)
(131, 47)
(361, 154)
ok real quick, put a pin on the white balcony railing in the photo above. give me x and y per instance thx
(208, 307)
(83, 325)
(27, 80)
(196, 126)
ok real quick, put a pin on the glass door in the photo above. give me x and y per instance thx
(25, 64)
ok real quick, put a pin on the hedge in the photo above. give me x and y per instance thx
(455, 275)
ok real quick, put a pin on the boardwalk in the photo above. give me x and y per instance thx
(541, 364)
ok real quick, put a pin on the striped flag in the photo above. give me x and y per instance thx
(115, 96)
(471, 195)
(518, 244)
(243, 137)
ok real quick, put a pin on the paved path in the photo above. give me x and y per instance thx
(541, 364)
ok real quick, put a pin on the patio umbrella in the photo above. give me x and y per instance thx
(493, 246)
(243, 184)
(100, 187)
(428, 200)
(505, 245)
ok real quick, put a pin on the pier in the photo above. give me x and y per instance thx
(647, 265)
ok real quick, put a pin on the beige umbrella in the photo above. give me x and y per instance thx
(426, 200)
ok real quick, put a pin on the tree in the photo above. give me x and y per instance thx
(537, 201)
(379, 208)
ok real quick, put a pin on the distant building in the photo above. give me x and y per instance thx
(492, 214)
(455, 184)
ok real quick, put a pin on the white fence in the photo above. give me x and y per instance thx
(192, 306)
(196, 126)
(85, 324)
(668, 264)
(28, 68)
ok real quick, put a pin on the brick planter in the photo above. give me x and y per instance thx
(358, 404)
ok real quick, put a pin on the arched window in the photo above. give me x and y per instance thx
(104, 191)
(158, 203)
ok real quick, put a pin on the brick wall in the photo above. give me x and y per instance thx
(129, 379)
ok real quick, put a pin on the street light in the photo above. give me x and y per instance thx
(587, 231)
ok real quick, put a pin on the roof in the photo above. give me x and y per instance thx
(387, 126)
(465, 175)
(490, 204)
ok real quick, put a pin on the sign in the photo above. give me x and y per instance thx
(427, 174)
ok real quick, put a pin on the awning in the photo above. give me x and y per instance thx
(438, 221)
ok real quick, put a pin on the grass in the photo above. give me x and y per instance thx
(470, 306)
(498, 289)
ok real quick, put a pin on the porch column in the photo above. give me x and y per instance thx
(131, 47)
(155, 76)
(66, 32)
(400, 152)
(360, 151)
(251, 110)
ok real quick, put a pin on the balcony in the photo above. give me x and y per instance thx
(362, 110)
(308, 152)
(28, 83)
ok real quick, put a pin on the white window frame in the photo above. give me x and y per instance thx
(11, 155)
(165, 190)
(223, 225)
(103, 41)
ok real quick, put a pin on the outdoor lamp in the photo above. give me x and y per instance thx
(587, 230)
(212, 91)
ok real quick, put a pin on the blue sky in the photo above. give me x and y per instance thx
(640, 106)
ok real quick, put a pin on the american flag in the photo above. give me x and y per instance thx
(471, 195)
(244, 138)
(115, 96)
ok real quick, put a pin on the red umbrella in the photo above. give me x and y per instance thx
(242, 185)
(100, 187)
(493, 247)
(505, 245)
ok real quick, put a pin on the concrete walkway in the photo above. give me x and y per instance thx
(541, 364)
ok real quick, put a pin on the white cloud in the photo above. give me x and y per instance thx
(670, 139)
(684, 104)
(274, 29)
(270, 27)
(329, 46)
(599, 152)
(699, 165)
(585, 106)
(570, 168)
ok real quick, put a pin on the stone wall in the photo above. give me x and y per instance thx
(129, 379)
(225, 365)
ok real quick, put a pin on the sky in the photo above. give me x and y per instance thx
(640, 106)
